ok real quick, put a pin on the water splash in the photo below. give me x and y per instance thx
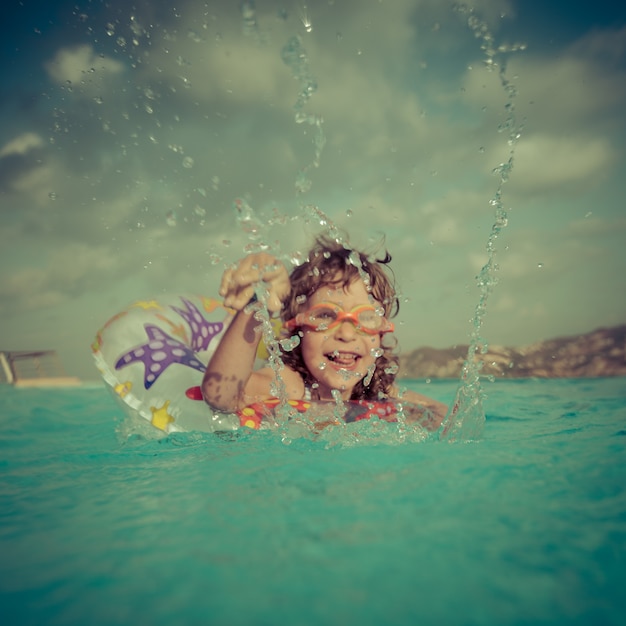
(466, 418)
(312, 213)
(294, 56)
(250, 224)
(257, 230)
(249, 23)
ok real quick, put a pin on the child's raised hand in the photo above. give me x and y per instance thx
(238, 282)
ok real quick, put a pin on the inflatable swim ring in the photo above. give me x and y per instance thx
(153, 354)
(253, 415)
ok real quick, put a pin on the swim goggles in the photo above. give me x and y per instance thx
(326, 315)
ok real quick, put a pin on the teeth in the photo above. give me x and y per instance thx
(342, 357)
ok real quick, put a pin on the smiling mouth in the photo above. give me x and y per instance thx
(343, 359)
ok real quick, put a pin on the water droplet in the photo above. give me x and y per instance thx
(171, 218)
(290, 343)
(540, 266)
(52, 195)
(249, 22)
(194, 36)
(322, 365)
(188, 162)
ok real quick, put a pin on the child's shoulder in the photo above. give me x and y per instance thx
(262, 383)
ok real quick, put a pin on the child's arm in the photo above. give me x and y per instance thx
(229, 375)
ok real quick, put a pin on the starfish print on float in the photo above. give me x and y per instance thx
(161, 351)
(202, 331)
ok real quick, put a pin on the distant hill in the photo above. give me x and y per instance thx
(598, 353)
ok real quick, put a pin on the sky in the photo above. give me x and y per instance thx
(130, 131)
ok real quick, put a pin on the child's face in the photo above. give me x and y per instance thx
(339, 357)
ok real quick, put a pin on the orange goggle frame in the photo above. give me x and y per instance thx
(327, 315)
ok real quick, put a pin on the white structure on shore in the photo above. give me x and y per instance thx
(41, 368)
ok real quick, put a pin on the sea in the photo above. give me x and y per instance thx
(105, 521)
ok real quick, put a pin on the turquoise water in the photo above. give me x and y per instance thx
(102, 523)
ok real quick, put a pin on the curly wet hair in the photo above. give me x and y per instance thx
(332, 263)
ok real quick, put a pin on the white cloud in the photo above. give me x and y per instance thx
(596, 226)
(410, 152)
(606, 45)
(37, 185)
(81, 68)
(548, 162)
(22, 144)
(554, 93)
(65, 271)
(27, 289)
(445, 230)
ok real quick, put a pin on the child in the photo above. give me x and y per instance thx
(338, 303)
